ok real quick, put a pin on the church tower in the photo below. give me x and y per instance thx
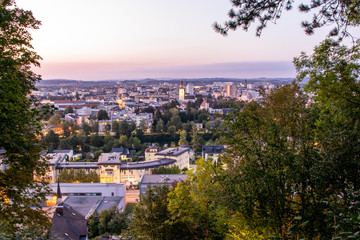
(181, 91)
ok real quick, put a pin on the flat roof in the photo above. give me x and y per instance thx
(162, 178)
(78, 165)
(147, 164)
(173, 151)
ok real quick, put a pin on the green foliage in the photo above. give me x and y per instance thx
(96, 141)
(69, 109)
(102, 115)
(273, 173)
(193, 204)
(183, 136)
(55, 120)
(340, 13)
(151, 218)
(166, 170)
(197, 141)
(346, 215)
(79, 175)
(20, 196)
(52, 139)
(108, 222)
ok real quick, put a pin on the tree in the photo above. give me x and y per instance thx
(109, 221)
(77, 95)
(116, 128)
(52, 139)
(69, 109)
(151, 217)
(160, 126)
(275, 177)
(102, 115)
(334, 71)
(20, 195)
(96, 141)
(166, 170)
(193, 203)
(55, 120)
(342, 14)
(196, 141)
(183, 136)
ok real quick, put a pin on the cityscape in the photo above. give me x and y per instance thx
(126, 120)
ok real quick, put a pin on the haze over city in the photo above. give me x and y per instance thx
(92, 40)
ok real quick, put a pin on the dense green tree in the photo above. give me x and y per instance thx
(69, 109)
(97, 141)
(109, 222)
(77, 97)
(71, 176)
(116, 128)
(172, 131)
(160, 126)
(172, 104)
(174, 121)
(193, 204)
(274, 169)
(127, 128)
(333, 72)
(94, 126)
(86, 127)
(151, 218)
(166, 170)
(196, 141)
(21, 215)
(55, 120)
(52, 139)
(183, 136)
(102, 115)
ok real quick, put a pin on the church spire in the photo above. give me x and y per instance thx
(58, 192)
(181, 91)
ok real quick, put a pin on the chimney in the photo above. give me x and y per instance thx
(59, 210)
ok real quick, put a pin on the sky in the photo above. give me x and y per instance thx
(135, 39)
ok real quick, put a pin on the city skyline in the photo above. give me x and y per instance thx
(160, 39)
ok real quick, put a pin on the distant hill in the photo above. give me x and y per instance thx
(69, 82)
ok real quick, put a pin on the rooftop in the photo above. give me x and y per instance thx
(173, 151)
(161, 178)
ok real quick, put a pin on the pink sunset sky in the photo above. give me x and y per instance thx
(127, 39)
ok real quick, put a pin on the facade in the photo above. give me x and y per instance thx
(151, 151)
(212, 152)
(181, 92)
(53, 159)
(231, 91)
(180, 154)
(148, 181)
(190, 88)
(113, 170)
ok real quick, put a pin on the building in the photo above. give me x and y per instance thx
(53, 159)
(151, 151)
(148, 181)
(212, 152)
(190, 88)
(67, 223)
(125, 154)
(230, 91)
(90, 189)
(87, 167)
(181, 91)
(113, 170)
(180, 154)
